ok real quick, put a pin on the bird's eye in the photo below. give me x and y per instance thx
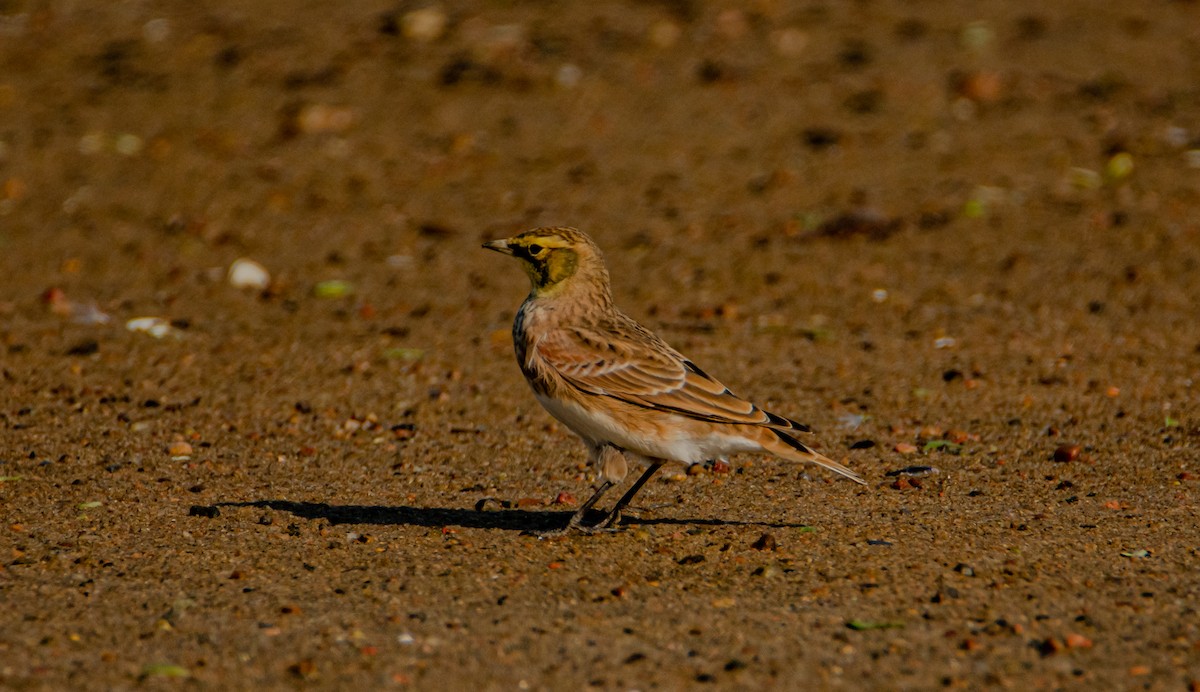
(535, 249)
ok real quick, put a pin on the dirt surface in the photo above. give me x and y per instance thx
(962, 236)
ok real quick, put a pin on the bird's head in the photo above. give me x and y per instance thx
(555, 258)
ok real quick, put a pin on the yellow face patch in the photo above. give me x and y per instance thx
(548, 259)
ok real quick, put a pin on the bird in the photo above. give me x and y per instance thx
(627, 394)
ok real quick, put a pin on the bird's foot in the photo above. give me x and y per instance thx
(569, 529)
(607, 524)
(611, 522)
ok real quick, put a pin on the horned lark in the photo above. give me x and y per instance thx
(617, 385)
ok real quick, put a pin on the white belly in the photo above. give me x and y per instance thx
(672, 442)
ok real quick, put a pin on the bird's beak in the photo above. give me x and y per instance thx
(498, 246)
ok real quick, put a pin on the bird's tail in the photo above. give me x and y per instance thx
(784, 445)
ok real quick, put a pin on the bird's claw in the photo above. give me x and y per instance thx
(608, 524)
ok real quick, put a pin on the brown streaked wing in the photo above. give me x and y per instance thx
(649, 373)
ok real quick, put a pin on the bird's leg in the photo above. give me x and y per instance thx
(614, 514)
(576, 520)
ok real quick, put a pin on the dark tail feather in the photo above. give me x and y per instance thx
(784, 445)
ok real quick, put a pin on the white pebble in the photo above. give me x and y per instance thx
(1176, 136)
(156, 327)
(88, 313)
(399, 261)
(569, 75)
(879, 295)
(246, 273)
(944, 342)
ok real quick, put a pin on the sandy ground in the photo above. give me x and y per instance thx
(960, 236)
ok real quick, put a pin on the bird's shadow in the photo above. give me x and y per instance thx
(520, 520)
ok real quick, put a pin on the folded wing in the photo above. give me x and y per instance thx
(647, 372)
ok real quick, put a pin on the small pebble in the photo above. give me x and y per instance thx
(156, 327)
(323, 118)
(905, 448)
(401, 262)
(425, 25)
(246, 273)
(977, 36)
(767, 571)
(764, 542)
(206, 511)
(334, 288)
(568, 76)
(1119, 167)
(789, 42)
(1067, 453)
(156, 30)
(179, 448)
(1175, 136)
(92, 143)
(1084, 178)
(1050, 646)
(85, 347)
(981, 87)
(128, 144)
